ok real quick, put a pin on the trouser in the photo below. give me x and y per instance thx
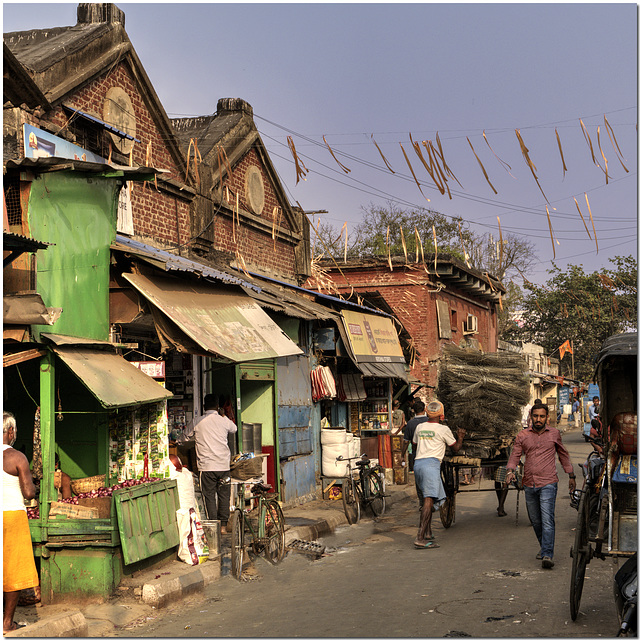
(216, 491)
(541, 506)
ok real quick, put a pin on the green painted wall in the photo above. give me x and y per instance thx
(78, 214)
(257, 406)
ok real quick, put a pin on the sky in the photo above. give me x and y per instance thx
(471, 73)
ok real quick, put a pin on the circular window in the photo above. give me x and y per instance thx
(118, 112)
(254, 190)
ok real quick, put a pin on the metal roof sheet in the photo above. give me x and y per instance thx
(170, 262)
(110, 378)
(103, 124)
(230, 325)
(322, 296)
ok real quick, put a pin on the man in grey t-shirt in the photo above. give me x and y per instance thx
(214, 459)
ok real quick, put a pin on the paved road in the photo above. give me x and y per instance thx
(483, 581)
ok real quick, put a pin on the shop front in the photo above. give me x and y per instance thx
(81, 406)
(230, 347)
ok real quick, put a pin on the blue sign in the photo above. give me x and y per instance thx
(41, 144)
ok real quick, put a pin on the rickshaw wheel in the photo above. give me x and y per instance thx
(448, 511)
(581, 554)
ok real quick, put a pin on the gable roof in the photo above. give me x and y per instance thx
(233, 129)
(61, 59)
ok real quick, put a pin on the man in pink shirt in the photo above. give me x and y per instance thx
(540, 443)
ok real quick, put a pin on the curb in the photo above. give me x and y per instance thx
(338, 519)
(159, 594)
(65, 625)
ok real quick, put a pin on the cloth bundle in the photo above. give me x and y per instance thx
(322, 384)
(350, 388)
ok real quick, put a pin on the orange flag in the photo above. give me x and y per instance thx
(565, 347)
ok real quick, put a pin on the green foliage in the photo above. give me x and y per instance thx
(371, 233)
(584, 308)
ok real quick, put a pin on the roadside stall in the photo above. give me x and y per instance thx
(105, 421)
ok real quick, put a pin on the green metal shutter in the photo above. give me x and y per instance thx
(147, 519)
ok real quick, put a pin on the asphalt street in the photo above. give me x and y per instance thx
(483, 581)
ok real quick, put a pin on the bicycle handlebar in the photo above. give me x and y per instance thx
(364, 456)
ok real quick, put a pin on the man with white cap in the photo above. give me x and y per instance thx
(431, 439)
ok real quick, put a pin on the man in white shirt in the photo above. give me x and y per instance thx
(214, 459)
(432, 439)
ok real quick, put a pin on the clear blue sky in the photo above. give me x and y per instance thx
(348, 71)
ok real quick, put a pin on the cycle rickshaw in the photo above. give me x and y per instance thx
(607, 508)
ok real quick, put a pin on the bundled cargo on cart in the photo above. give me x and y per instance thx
(483, 393)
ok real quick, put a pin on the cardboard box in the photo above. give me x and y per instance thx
(72, 511)
(101, 503)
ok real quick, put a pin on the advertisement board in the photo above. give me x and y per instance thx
(373, 338)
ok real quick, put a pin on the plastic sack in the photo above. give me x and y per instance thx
(193, 548)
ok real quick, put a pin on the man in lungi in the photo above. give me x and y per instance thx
(18, 567)
(431, 439)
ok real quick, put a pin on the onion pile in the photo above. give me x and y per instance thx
(105, 492)
(33, 513)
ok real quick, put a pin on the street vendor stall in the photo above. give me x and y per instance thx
(106, 422)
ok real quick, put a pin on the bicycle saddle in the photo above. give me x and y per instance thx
(262, 488)
(362, 463)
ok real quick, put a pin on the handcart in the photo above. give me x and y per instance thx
(453, 466)
(607, 503)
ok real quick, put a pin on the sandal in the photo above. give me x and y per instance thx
(16, 626)
(426, 545)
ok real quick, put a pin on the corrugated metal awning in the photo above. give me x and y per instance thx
(229, 325)
(110, 378)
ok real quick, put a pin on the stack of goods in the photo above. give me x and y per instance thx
(138, 444)
(323, 384)
(336, 443)
(483, 393)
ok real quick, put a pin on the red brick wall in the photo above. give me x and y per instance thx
(255, 244)
(157, 216)
(415, 306)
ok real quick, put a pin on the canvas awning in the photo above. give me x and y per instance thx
(27, 308)
(110, 378)
(220, 322)
(373, 341)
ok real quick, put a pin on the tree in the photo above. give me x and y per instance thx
(583, 308)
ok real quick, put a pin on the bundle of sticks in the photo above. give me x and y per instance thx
(483, 393)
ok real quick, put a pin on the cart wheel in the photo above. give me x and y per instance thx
(351, 500)
(273, 532)
(580, 553)
(448, 511)
(236, 521)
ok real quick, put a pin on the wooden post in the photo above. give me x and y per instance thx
(47, 433)
(573, 372)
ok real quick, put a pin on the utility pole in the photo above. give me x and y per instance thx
(573, 372)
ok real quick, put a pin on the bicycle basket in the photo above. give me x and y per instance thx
(246, 469)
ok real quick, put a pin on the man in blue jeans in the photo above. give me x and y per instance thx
(540, 443)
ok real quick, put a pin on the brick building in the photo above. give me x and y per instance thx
(99, 98)
(450, 303)
(242, 213)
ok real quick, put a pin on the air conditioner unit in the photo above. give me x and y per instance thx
(471, 325)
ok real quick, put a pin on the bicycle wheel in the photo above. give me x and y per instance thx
(376, 498)
(273, 531)
(351, 500)
(580, 553)
(236, 521)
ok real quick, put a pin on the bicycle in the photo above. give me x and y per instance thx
(368, 490)
(266, 528)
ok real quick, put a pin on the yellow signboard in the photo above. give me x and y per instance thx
(373, 338)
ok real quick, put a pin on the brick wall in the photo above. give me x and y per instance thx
(158, 217)
(415, 306)
(253, 235)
